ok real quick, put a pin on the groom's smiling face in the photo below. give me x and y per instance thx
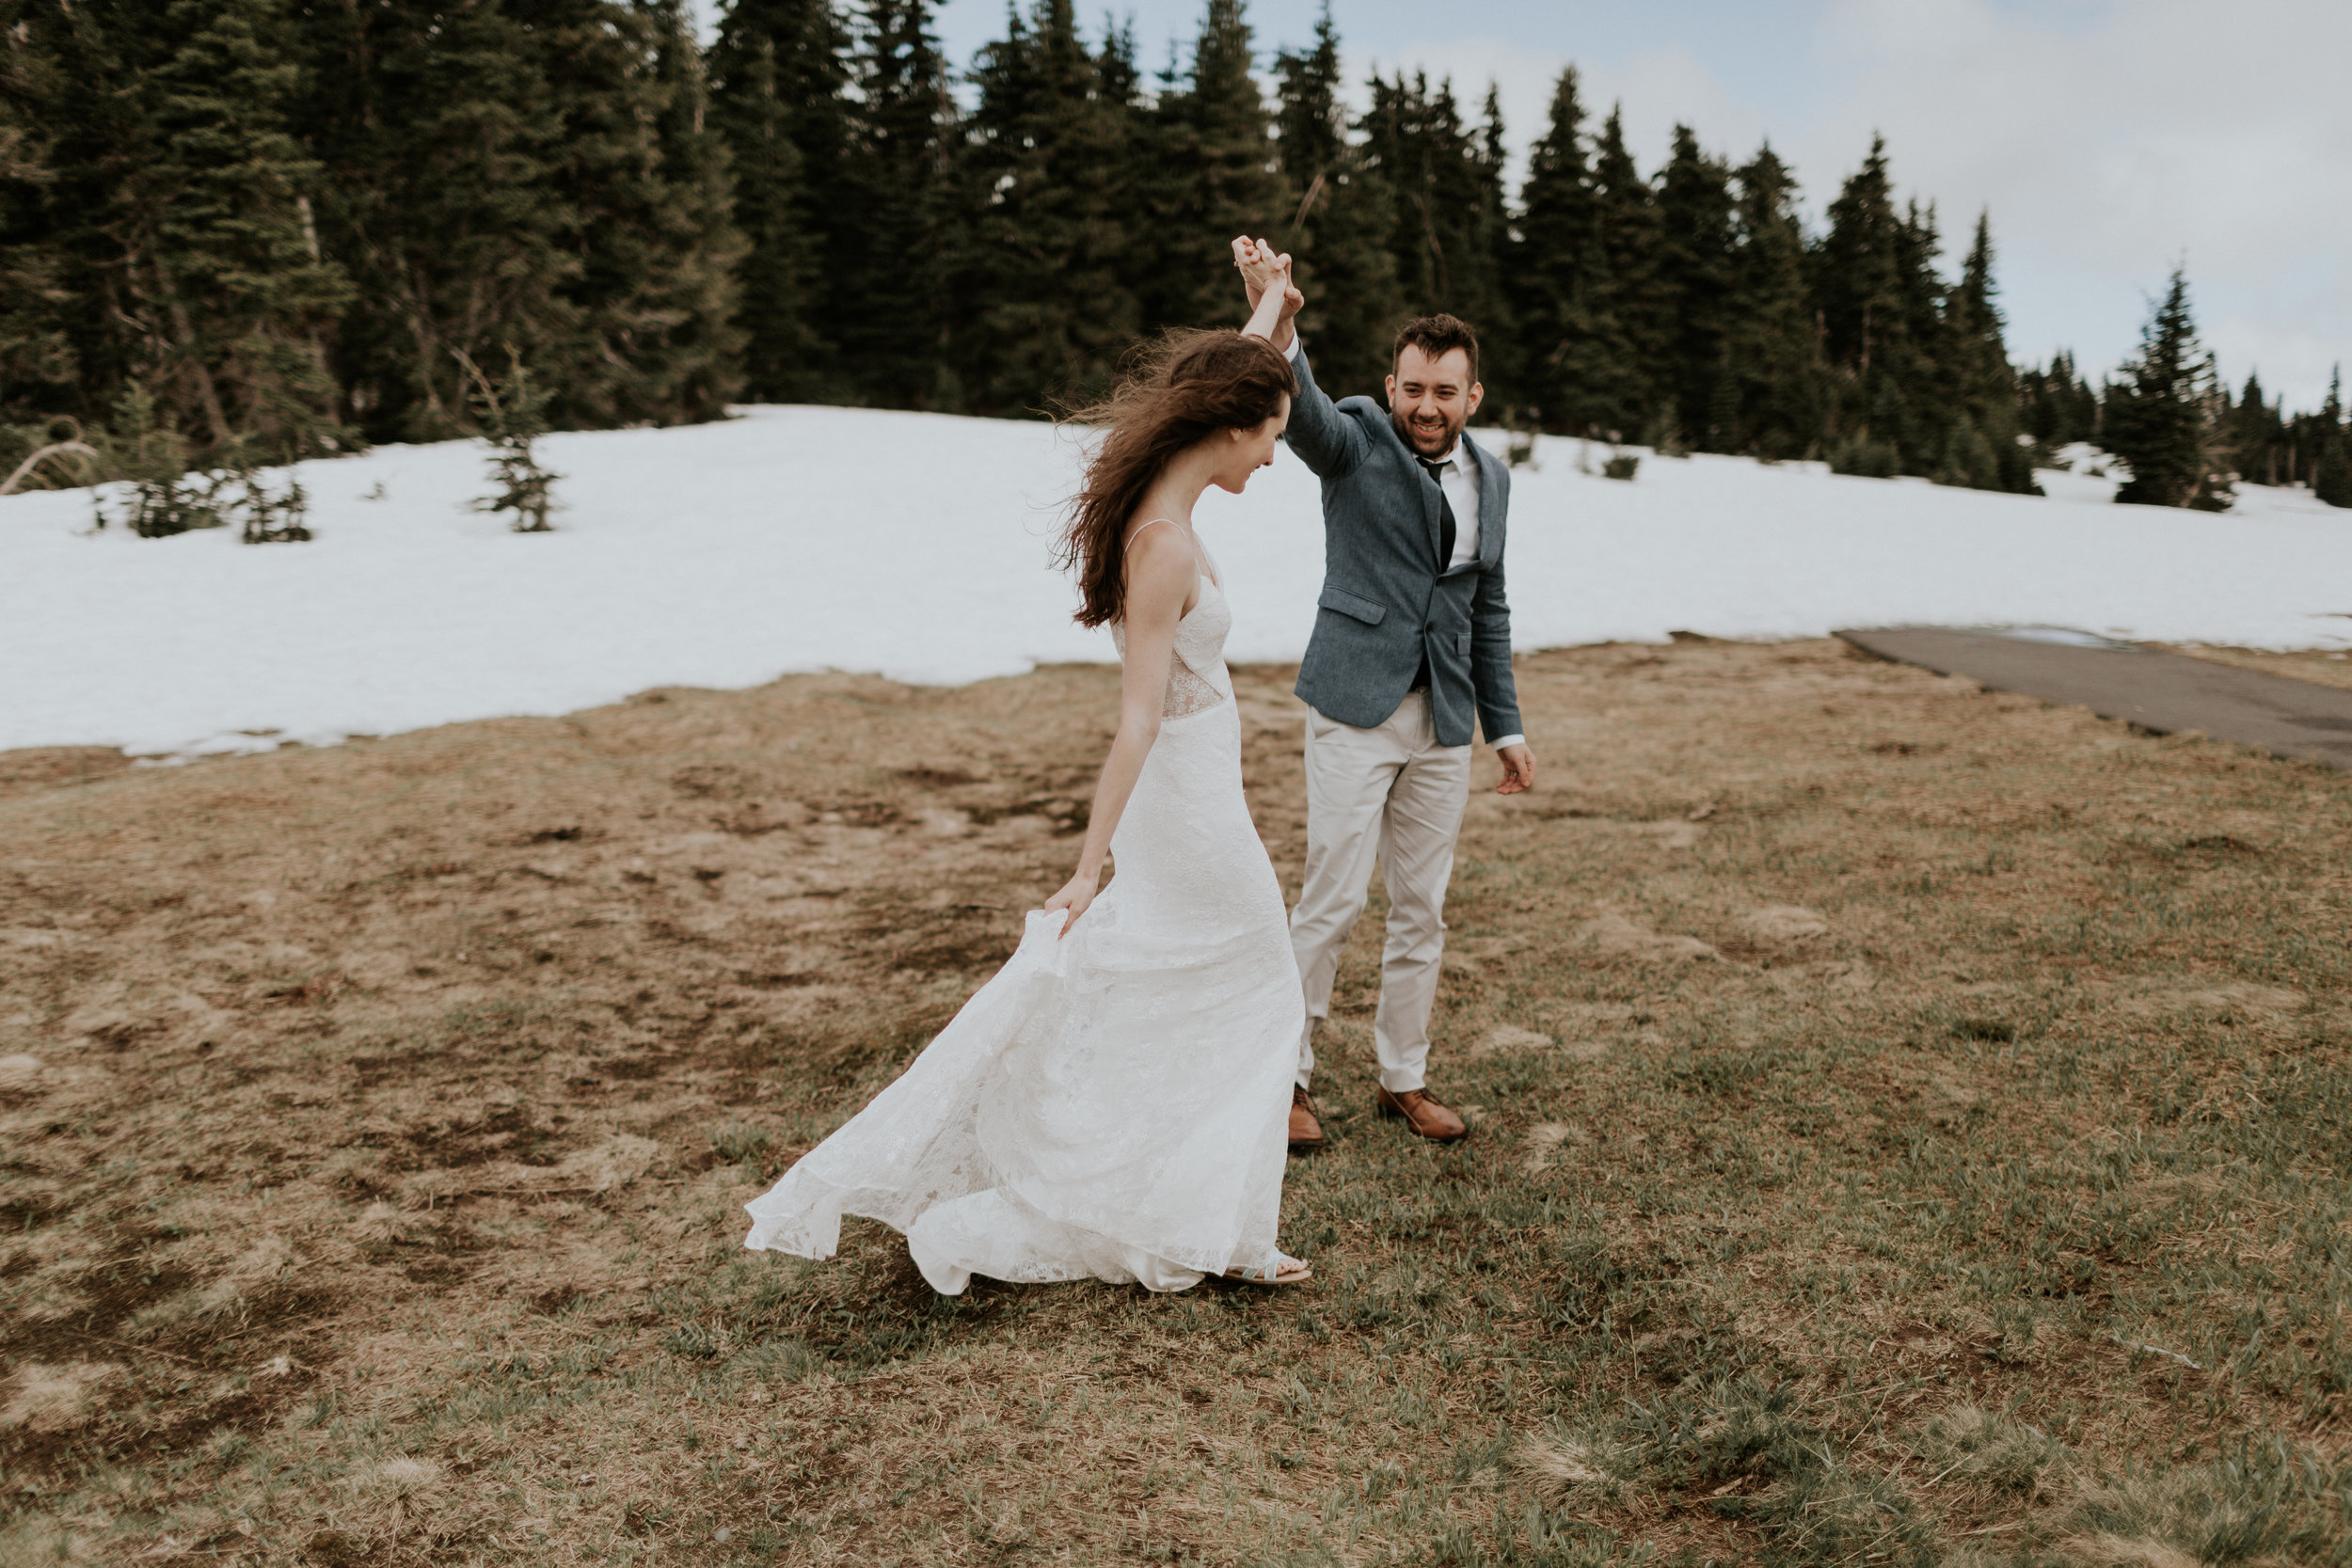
(1431, 399)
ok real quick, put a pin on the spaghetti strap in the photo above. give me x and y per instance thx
(1199, 552)
(1140, 526)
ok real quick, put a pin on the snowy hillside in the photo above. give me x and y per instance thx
(809, 538)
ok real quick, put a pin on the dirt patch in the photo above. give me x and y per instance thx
(1610, 935)
(1780, 924)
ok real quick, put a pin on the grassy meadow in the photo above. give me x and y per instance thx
(1911, 1125)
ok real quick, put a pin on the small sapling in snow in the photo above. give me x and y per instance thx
(157, 497)
(513, 413)
(265, 516)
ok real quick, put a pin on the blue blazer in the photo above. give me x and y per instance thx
(1387, 599)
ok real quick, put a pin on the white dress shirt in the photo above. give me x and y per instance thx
(1459, 478)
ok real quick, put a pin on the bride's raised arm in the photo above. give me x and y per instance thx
(1162, 572)
(1275, 298)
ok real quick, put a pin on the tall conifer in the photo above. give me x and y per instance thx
(1698, 399)
(1447, 238)
(240, 276)
(175, 212)
(1770, 347)
(2256, 434)
(1879, 297)
(39, 366)
(1552, 270)
(892, 238)
(537, 177)
(1042, 300)
(2163, 416)
(1339, 213)
(1480, 297)
(440, 134)
(776, 76)
(2331, 456)
(1628, 316)
(1982, 448)
(1214, 153)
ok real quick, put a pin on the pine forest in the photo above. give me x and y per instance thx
(236, 232)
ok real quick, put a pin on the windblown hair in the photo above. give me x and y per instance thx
(1437, 336)
(1180, 387)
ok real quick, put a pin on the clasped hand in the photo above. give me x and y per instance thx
(1262, 268)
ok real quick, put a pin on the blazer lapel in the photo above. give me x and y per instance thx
(1489, 504)
(1432, 500)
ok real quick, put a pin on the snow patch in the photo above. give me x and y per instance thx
(917, 545)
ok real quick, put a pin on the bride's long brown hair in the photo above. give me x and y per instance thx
(1181, 387)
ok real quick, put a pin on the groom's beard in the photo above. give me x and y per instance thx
(1426, 445)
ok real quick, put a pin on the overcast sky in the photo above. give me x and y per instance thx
(2111, 139)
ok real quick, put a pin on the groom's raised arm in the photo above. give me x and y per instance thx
(1326, 440)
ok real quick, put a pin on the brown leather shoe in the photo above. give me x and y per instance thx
(1423, 1115)
(1306, 1132)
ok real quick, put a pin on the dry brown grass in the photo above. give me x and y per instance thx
(1859, 1062)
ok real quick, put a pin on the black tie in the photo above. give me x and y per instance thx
(1445, 515)
(1445, 554)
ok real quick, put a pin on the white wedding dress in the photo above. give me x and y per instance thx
(1114, 1104)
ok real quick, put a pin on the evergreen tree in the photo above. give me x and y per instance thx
(2057, 407)
(1770, 346)
(1552, 268)
(2162, 417)
(1483, 205)
(240, 284)
(2256, 432)
(642, 172)
(1213, 157)
(1881, 325)
(170, 229)
(441, 136)
(1698, 401)
(539, 178)
(1341, 213)
(1982, 448)
(1628, 310)
(1041, 289)
(776, 78)
(892, 239)
(696, 338)
(1447, 239)
(39, 366)
(2331, 455)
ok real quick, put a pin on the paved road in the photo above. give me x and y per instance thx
(2164, 692)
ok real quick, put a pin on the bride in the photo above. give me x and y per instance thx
(1114, 1104)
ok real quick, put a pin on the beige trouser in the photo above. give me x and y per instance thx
(1395, 795)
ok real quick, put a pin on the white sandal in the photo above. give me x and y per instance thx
(1282, 1271)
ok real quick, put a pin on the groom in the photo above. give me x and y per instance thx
(1412, 636)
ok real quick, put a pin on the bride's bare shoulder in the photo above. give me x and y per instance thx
(1162, 567)
(1156, 535)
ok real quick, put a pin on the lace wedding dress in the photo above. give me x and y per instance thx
(1113, 1104)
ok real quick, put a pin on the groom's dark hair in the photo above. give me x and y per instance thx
(1436, 335)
